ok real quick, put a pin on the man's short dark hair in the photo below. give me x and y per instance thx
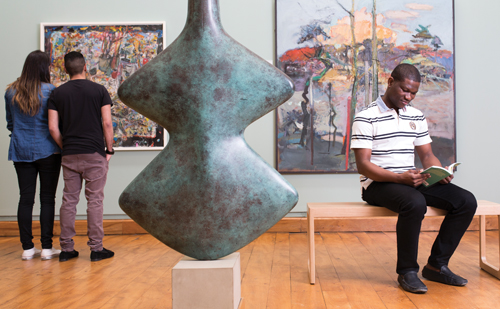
(74, 62)
(405, 71)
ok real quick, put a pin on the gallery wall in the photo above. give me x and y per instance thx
(252, 24)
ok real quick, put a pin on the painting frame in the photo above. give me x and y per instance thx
(128, 46)
(293, 58)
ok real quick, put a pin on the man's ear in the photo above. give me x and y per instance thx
(390, 81)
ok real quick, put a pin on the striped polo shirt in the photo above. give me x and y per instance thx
(391, 137)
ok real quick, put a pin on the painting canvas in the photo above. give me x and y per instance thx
(112, 52)
(340, 54)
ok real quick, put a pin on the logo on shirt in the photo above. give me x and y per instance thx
(412, 125)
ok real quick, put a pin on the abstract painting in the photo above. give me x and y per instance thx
(339, 54)
(112, 52)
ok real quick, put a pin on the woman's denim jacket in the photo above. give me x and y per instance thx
(30, 139)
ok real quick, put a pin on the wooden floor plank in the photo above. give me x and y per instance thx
(139, 292)
(279, 288)
(256, 280)
(354, 270)
(464, 262)
(387, 242)
(357, 287)
(304, 295)
(326, 275)
(382, 278)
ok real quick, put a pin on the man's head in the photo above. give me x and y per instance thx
(402, 86)
(74, 63)
(405, 71)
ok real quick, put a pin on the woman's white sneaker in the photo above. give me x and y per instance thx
(30, 253)
(47, 254)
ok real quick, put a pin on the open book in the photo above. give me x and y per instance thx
(438, 173)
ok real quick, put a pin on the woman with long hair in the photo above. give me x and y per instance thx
(34, 152)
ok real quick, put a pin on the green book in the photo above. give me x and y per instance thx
(438, 173)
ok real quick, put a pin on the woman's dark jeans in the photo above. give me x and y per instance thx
(48, 170)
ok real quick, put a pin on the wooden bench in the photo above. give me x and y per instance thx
(361, 209)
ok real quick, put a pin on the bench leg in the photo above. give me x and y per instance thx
(312, 256)
(487, 267)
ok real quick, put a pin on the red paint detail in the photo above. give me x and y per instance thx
(312, 134)
(298, 54)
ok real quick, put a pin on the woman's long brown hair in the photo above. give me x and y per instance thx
(28, 86)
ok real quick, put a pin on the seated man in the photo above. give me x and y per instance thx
(384, 137)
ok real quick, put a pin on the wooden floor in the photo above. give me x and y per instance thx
(354, 270)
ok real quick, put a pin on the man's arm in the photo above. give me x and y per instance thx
(428, 159)
(8, 114)
(54, 127)
(107, 127)
(376, 173)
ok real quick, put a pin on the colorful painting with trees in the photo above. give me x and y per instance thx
(339, 54)
(112, 52)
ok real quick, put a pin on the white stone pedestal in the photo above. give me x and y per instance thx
(207, 284)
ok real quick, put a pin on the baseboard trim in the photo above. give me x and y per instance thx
(285, 225)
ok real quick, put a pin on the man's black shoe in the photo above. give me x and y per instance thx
(411, 283)
(100, 255)
(445, 276)
(67, 255)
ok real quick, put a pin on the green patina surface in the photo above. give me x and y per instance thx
(207, 194)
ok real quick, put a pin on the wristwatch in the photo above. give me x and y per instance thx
(112, 152)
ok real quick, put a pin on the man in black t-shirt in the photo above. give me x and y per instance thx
(79, 116)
